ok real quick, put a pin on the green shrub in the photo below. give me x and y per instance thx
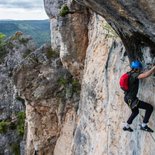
(64, 10)
(4, 126)
(50, 53)
(21, 123)
(15, 147)
(2, 47)
(71, 86)
(2, 36)
(18, 125)
(9, 44)
(62, 81)
(76, 86)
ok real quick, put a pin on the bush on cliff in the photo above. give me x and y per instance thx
(65, 10)
(3, 126)
(21, 123)
(2, 47)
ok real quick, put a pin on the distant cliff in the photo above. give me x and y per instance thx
(12, 106)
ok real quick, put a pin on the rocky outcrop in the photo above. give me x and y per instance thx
(12, 107)
(36, 83)
(132, 20)
(69, 34)
(51, 95)
(102, 110)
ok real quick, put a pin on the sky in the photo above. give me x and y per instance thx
(22, 10)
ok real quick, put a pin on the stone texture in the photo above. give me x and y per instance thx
(69, 34)
(51, 95)
(102, 110)
(101, 105)
(10, 104)
(64, 142)
(57, 122)
(133, 20)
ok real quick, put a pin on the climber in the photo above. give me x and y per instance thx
(131, 96)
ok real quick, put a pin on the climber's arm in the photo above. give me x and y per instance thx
(147, 73)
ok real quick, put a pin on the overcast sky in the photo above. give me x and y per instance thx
(22, 9)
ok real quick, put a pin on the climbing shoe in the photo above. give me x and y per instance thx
(146, 128)
(127, 129)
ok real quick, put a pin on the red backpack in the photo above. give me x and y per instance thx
(124, 81)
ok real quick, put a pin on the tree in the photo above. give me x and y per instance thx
(2, 45)
(2, 36)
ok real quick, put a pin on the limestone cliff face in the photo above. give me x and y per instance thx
(102, 110)
(69, 34)
(51, 95)
(133, 20)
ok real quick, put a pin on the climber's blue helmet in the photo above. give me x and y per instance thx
(136, 64)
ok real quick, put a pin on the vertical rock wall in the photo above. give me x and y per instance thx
(102, 111)
(52, 97)
(69, 34)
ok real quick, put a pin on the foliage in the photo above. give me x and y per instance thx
(64, 10)
(15, 147)
(76, 86)
(20, 123)
(50, 53)
(2, 42)
(2, 47)
(4, 126)
(2, 36)
(70, 85)
(62, 81)
(109, 31)
(9, 44)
